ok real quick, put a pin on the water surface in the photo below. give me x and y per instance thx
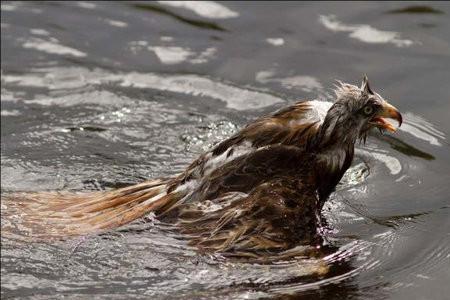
(100, 95)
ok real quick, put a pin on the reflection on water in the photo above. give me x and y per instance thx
(207, 9)
(304, 83)
(192, 22)
(175, 55)
(52, 47)
(275, 41)
(419, 9)
(80, 112)
(8, 6)
(56, 79)
(87, 5)
(364, 33)
(405, 148)
(396, 221)
(422, 129)
(116, 23)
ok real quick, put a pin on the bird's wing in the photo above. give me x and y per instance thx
(277, 215)
(290, 126)
(293, 126)
(254, 168)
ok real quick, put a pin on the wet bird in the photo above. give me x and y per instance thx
(259, 191)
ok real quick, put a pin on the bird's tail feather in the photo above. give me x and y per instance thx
(60, 214)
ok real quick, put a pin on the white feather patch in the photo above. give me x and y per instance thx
(316, 113)
(213, 163)
(320, 108)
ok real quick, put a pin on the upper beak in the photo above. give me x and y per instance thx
(387, 111)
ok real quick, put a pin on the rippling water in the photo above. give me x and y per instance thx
(99, 95)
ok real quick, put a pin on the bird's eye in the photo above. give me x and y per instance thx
(368, 110)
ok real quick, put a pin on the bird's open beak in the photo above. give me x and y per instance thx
(388, 111)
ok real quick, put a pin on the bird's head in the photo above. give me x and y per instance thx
(367, 107)
(356, 111)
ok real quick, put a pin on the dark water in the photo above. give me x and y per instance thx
(97, 95)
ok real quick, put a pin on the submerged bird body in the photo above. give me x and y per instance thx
(259, 191)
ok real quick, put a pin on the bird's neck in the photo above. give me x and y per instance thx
(338, 131)
(334, 147)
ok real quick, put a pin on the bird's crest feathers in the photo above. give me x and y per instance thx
(344, 90)
(365, 87)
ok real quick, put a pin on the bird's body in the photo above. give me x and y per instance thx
(259, 191)
(255, 191)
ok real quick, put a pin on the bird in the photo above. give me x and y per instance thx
(259, 191)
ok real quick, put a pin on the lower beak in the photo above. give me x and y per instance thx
(387, 111)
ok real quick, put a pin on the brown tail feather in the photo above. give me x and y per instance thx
(59, 214)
